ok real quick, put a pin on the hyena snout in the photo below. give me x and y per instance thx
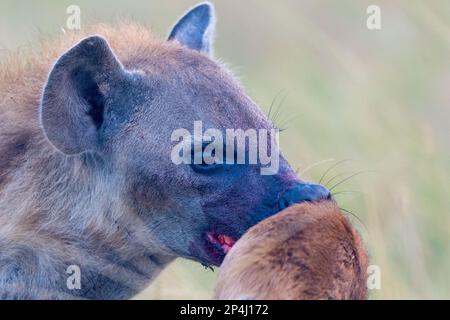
(301, 192)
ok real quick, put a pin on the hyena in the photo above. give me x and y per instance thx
(308, 251)
(86, 177)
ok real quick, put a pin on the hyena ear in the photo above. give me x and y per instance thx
(196, 28)
(74, 96)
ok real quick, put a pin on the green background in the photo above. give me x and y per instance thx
(377, 99)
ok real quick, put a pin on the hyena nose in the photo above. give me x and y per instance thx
(303, 192)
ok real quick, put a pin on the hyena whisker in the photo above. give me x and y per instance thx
(283, 126)
(208, 267)
(348, 178)
(311, 166)
(346, 191)
(275, 110)
(283, 121)
(278, 110)
(281, 108)
(269, 114)
(331, 168)
(356, 217)
(327, 183)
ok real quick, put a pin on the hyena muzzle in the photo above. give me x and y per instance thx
(86, 177)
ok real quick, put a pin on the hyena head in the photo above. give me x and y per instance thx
(124, 114)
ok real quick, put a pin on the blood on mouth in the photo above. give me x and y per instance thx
(224, 241)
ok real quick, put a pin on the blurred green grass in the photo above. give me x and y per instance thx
(377, 98)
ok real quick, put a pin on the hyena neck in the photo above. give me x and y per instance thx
(67, 211)
(53, 212)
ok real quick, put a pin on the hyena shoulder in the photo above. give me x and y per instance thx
(33, 172)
